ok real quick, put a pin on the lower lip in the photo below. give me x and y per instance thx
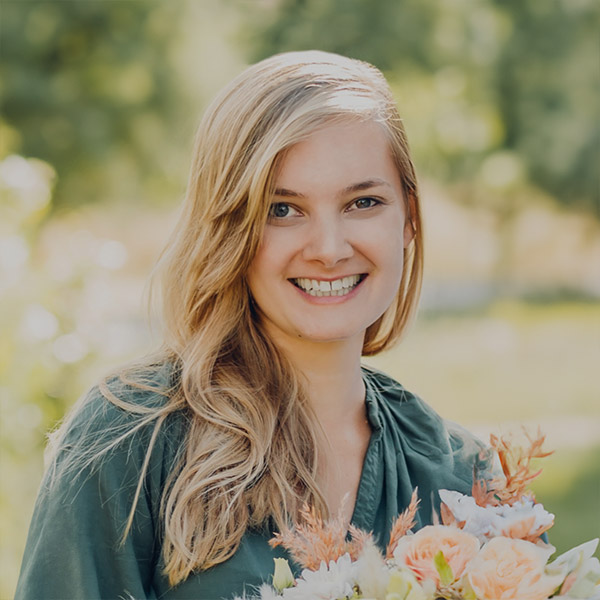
(330, 299)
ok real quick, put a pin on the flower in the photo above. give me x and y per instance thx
(418, 552)
(331, 581)
(443, 561)
(581, 572)
(312, 540)
(372, 571)
(471, 517)
(266, 593)
(516, 463)
(512, 569)
(283, 576)
(403, 585)
(524, 519)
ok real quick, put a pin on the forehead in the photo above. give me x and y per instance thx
(335, 153)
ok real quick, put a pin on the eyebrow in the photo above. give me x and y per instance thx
(353, 187)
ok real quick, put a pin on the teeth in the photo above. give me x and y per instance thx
(338, 287)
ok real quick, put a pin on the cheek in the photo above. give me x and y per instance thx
(267, 265)
(255, 273)
(262, 261)
(391, 264)
(388, 247)
(274, 251)
(396, 268)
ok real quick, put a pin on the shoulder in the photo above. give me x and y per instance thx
(397, 405)
(121, 418)
(125, 397)
(100, 500)
(423, 429)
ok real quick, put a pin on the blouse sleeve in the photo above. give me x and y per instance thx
(74, 548)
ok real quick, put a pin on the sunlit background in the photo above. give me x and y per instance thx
(500, 99)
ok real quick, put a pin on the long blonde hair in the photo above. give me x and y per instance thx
(251, 450)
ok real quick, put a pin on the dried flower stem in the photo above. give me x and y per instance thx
(517, 468)
(313, 540)
(403, 523)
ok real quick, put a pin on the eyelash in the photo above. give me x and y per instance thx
(375, 202)
(275, 205)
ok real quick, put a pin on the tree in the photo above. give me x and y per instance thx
(89, 88)
(507, 82)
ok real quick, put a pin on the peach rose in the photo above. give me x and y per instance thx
(417, 552)
(512, 569)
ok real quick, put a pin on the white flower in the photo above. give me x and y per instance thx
(372, 573)
(524, 511)
(581, 571)
(268, 593)
(283, 576)
(478, 520)
(403, 585)
(524, 518)
(265, 592)
(331, 582)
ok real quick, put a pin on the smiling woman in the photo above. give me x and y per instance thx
(343, 221)
(298, 250)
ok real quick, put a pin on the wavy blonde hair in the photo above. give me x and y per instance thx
(251, 450)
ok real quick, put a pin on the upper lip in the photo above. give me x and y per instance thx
(317, 278)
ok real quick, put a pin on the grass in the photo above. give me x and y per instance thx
(515, 362)
(569, 487)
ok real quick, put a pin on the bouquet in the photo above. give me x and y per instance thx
(488, 546)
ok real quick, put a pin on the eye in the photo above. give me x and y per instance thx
(281, 210)
(366, 202)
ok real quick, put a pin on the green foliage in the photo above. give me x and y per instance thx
(497, 95)
(380, 31)
(569, 487)
(89, 88)
(510, 86)
(546, 84)
(56, 335)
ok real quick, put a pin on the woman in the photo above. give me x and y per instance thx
(299, 249)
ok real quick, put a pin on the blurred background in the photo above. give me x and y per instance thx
(99, 101)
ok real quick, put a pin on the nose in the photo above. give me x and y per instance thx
(328, 242)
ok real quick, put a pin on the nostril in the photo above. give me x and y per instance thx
(328, 248)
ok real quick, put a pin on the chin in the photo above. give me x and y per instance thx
(327, 336)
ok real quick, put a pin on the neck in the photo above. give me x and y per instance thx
(333, 377)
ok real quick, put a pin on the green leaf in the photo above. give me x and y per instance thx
(443, 568)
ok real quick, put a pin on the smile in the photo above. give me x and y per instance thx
(337, 287)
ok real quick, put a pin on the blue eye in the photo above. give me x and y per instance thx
(279, 210)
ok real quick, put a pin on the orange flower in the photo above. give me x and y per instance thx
(417, 552)
(511, 569)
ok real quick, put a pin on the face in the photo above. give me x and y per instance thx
(330, 261)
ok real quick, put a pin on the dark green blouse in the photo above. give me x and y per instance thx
(73, 550)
